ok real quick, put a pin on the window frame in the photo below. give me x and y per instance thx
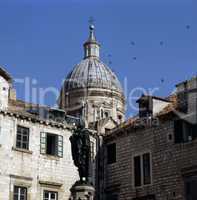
(49, 191)
(183, 131)
(135, 159)
(59, 151)
(142, 178)
(189, 180)
(92, 150)
(109, 162)
(111, 196)
(21, 141)
(19, 194)
(144, 168)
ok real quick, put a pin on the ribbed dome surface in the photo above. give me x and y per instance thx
(92, 73)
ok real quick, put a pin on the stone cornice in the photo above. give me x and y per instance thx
(96, 92)
(33, 119)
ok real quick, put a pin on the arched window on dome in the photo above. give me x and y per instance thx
(106, 114)
(120, 118)
(102, 113)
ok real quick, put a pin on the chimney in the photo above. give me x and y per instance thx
(150, 106)
(187, 98)
(145, 106)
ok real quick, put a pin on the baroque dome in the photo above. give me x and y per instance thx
(91, 72)
(92, 91)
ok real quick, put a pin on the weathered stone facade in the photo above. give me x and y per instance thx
(172, 163)
(24, 164)
(40, 164)
(91, 92)
(30, 168)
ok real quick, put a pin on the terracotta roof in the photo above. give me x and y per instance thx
(171, 107)
(132, 122)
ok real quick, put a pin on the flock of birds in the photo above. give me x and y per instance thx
(133, 43)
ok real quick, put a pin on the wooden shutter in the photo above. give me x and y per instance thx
(111, 153)
(43, 143)
(60, 146)
(194, 131)
(146, 168)
(137, 171)
(178, 131)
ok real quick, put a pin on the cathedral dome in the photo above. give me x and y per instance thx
(91, 90)
(92, 73)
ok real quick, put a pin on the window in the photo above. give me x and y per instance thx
(112, 196)
(120, 117)
(20, 193)
(169, 137)
(51, 144)
(184, 131)
(146, 168)
(48, 195)
(137, 171)
(111, 153)
(183, 100)
(22, 137)
(142, 170)
(98, 114)
(147, 197)
(102, 114)
(190, 188)
(145, 106)
(106, 114)
(92, 150)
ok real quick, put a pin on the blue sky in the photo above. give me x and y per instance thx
(153, 43)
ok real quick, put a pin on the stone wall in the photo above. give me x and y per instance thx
(170, 162)
(94, 100)
(30, 168)
(4, 93)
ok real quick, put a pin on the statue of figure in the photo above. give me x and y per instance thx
(80, 144)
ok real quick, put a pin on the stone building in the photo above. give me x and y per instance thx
(153, 155)
(35, 152)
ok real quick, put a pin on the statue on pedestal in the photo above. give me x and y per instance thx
(80, 144)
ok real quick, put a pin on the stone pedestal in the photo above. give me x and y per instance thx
(82, 191)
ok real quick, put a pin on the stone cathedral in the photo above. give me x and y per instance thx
(151, 156)
(91, 89)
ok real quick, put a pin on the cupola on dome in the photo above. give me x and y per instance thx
(91, 72)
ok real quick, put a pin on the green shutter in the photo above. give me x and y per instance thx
(43, 143)
(60, 146)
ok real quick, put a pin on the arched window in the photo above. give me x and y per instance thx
(102, 113)
(120, 118)
(106, 114)
(98, 114)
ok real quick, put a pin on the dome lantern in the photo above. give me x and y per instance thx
(91, 46)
